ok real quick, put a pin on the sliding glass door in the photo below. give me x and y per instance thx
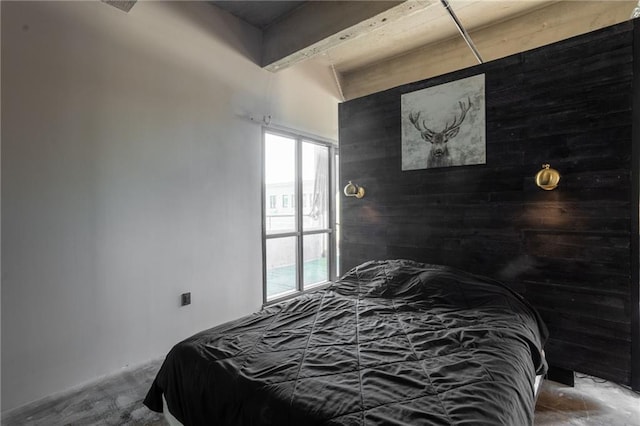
(298, 214)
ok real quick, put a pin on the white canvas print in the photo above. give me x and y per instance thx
(444, 125)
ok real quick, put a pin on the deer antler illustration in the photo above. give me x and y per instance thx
(439, 154)
(452, 130)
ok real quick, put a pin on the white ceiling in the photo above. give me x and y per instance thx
(260, 14)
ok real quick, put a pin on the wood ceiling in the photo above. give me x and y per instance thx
(363, 40)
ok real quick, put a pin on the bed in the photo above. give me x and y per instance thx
(392, 342)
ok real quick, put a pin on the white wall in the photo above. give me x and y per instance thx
(129, 177)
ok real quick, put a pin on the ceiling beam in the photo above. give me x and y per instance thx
(540, 27)
(321, 25)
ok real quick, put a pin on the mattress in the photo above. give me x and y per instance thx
(391, 342)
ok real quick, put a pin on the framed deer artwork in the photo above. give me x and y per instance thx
(444, 125)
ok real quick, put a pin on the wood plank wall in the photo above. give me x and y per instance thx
(569, 250)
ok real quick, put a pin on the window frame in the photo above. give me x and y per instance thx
(299, 232)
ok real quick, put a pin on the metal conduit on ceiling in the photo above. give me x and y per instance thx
(462, 31)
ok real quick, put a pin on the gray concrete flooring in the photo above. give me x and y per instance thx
(112, 401)
(591, 402)
(117, 400)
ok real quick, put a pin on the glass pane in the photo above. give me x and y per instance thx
(279, 179)
(315, 186)
(281, 266)
(316, 254)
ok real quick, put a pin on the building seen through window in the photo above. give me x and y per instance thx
(299, 242)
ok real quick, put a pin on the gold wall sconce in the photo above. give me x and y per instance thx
(547, 178)
(353, 190)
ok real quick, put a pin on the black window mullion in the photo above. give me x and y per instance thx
(264, 220)
(332, 215)
(299, 218)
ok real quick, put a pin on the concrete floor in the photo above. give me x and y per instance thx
(112, 401)
(117, 401)
(591, 402)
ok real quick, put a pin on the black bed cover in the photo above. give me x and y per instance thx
(391, 343)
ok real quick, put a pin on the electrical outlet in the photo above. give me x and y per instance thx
(185, 299)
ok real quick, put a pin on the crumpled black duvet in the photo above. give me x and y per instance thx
(391, 343)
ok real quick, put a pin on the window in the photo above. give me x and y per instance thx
(272, 201)
(299, 241)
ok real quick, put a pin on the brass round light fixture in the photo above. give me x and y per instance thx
(547, 178)
(353, 190)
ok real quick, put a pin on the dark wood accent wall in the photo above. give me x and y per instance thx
(570, 251)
